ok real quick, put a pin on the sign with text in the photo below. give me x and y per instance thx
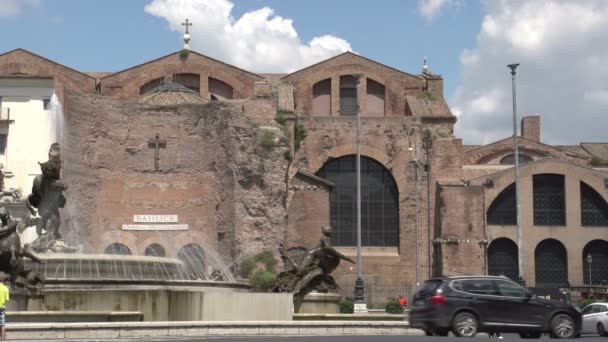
(153, 227)
(155, 218)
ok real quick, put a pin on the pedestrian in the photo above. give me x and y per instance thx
(3, 300)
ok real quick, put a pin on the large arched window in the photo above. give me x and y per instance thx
(379, 202)
(348, 95)
(509, 159)
(220, 90)
(502, 258)
(503, 210)
(594, 210)
(549, 200)
(193, 257)
(191, 81)
(321, 98)
(375, 98)
(551, 264)
(151, 85)
(117, 248)
(595, 272)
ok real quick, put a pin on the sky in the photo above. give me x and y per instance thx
(561, 46)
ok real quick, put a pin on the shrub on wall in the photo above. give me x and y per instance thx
(262, 280)
(585, 302)
(347, 306)
(393, 307)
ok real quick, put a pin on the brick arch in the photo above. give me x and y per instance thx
(317, 163)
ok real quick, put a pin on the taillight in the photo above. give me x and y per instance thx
(438, 299)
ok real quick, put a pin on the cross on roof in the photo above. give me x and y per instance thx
(187, 23)
(157, 144)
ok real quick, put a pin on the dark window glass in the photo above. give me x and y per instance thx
(598, 269)
(117, 249)
(379, 202)
(3, 138)
(150, 85)
(588, 309)
(155, 250)
(509, 289)
(509, 159)
(46, 104)
(348, 95)
(503, 210)
(551, 264)
(480, 287)
(594, 210)
(502, 258)
(549, 200)
(191, 81)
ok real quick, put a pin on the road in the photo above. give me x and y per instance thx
(350, 338)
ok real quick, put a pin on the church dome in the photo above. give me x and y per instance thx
(171, 93)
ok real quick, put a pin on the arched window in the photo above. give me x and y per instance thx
(117, 249)
(509, 159)
(551, 264)
(219, 90)
(151, 85)
(503, 210)
(191, 81)
(375, 98)
(549, 200)
(321, 98)
(155, 249)
(348, 95)
(598, 268)
(502, 258)
(193, 257)
(594, 210)
(379, 202)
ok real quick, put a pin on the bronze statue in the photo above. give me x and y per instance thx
(313, 272)
(47, 196)
(12, 254)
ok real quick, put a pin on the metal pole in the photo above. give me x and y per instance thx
(359, 286)
(520, 250)
(590, 281)
(417, 226)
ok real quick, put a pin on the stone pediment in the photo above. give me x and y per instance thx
(483, 154)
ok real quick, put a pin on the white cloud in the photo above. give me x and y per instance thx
(259, 40)
(561, 46)
(430, 9)
(10, 8)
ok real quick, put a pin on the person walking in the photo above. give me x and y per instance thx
(4, 297)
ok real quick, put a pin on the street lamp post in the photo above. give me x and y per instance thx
(589, 261)
(520, 250)
(360, 305)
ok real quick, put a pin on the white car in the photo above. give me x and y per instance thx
(595, 319)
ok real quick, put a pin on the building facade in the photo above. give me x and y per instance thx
(235, 162)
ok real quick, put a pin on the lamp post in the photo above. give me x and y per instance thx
(360, 305)
(589, 262)
(520, 250)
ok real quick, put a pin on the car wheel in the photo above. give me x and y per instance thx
(562, 326)
(465, 325)
(530, 334)
(442, 332)
(428, 333)
(601, 330)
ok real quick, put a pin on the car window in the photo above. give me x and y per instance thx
(429, 288)
(596, 309)
(603, 308)
(509, 289)
(587, 310)
(479, 286)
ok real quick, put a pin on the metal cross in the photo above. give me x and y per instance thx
(157, 144)
(187, 24)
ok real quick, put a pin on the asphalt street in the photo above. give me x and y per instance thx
(349, 338)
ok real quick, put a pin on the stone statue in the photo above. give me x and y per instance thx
(47, 196)
(312, 273)
(12, 254)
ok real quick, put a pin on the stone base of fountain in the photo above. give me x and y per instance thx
(159, 288)
(320, 303)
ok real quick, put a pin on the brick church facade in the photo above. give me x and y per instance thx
(247, 161)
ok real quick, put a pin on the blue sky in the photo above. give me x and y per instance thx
(561, 45)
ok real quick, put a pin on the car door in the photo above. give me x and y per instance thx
(516, 308)
(602, 316)
(480, 294)
(587, 313)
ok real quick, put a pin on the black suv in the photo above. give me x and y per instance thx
(468, 305)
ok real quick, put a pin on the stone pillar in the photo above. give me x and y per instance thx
(530, 127)
(204, 86)
(285, 98)
(363, 95)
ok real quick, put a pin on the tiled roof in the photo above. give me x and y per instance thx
(170, 93)
(98, 74)
(599, 150)
(273, 79)
(421, 106)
